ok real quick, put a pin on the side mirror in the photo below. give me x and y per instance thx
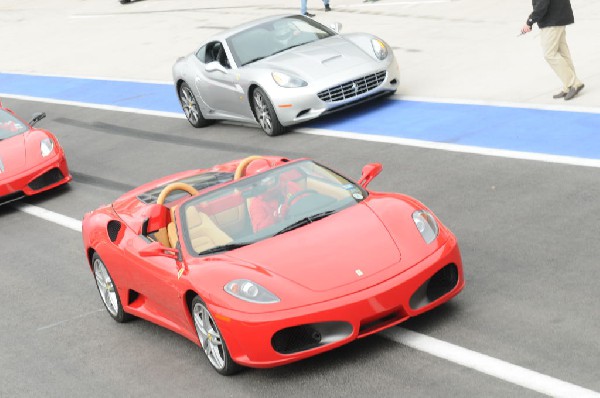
(36, 118)
(214, 66)
(369, 172)
(336, 27)
(157, 249)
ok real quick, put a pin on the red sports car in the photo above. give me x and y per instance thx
(31, 160)
(265, 261)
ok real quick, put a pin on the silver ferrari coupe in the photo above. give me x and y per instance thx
(280, 71)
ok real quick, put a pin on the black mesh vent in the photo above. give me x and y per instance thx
(48, 178)
(353, 88)
(113, 229)
(296, 339)
(442, 282)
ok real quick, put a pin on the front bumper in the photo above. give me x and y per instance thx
(297, 105)
(49, 174)
(255, 339)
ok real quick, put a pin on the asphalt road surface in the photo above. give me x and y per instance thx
(528, 233)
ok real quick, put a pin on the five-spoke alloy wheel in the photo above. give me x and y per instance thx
(108, 291)
(265, 113)
(211, 340)
(190, 106)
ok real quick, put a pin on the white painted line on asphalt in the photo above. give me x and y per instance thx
(540, 157)
(51, 216)
(491, 366)
(174, 115)
(69, 320)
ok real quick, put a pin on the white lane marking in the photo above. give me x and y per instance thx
(463, 356)
(541, 157)
(491, 366)
(51, 216)
(69, 320)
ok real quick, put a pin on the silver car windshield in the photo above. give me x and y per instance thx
(269, 203)
(10, 125)
(269, 38)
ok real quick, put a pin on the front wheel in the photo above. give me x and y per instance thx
(265, 113)
(190, 107)
(108, 291)
(212, 342)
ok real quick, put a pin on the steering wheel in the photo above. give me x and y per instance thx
(240, 171)
(290, 201)
(176, 186)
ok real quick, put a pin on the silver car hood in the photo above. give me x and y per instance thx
(320, 59)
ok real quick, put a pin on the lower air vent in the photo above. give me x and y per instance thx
(48, 178)
(113, 229)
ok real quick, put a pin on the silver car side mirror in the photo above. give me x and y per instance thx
(214, 66)
(336, 27)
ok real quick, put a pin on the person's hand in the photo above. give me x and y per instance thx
(525, 29)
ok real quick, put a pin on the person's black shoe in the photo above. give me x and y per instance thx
(327, 8)
(573, 91)
(308, 14)
(562, 94)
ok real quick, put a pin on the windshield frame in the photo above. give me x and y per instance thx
(244, 183)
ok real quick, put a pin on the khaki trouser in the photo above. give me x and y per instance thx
(558, 56)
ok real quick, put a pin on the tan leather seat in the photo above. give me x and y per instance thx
(203, 232)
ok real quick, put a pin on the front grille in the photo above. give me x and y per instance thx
(353, 88)
(48, 178)
(441, 283)
(295, 339)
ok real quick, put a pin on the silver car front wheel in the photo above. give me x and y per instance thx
(108, 291)
(190, 106)
(265, 113)
(212, 342)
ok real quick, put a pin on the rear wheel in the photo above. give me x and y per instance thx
(212, 342)
(190, 106)
(265, 113)
(108, 291)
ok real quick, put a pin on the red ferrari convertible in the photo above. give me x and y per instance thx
(265, 261)
(31, 160)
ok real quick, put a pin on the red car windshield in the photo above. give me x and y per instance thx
(266, 204)
(10, 125)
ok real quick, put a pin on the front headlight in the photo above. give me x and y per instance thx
(426, 225)
(379, 49)
(247, 290)
(287, 81)
(46, 146)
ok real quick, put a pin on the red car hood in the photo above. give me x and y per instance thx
(13, 155)
(344, 248)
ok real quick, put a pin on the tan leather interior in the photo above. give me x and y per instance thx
(203, 232)
(172, 230)
(162, 236)
(240, 171)
(325, 189)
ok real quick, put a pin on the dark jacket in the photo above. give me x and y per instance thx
(551, 13)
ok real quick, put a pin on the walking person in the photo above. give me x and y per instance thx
(304, 11)
(552, 17)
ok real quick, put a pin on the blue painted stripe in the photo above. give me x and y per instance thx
(563, 133)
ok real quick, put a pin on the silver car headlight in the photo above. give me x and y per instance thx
(287, 81)
(247, 290)
(426, 225)
(379, 49)
(46, 147)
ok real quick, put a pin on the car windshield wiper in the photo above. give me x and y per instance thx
(306, 220)
(224, 248)
(253, 60)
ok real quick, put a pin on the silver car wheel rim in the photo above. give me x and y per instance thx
(262, 112)
(209, 336)
(106, 287)
(189, 105)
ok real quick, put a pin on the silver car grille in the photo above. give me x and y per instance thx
(353, 87)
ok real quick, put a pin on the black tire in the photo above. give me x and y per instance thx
(264, 113)
(108, 291)
(190, 106)
(124, 1)
(213, 345)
